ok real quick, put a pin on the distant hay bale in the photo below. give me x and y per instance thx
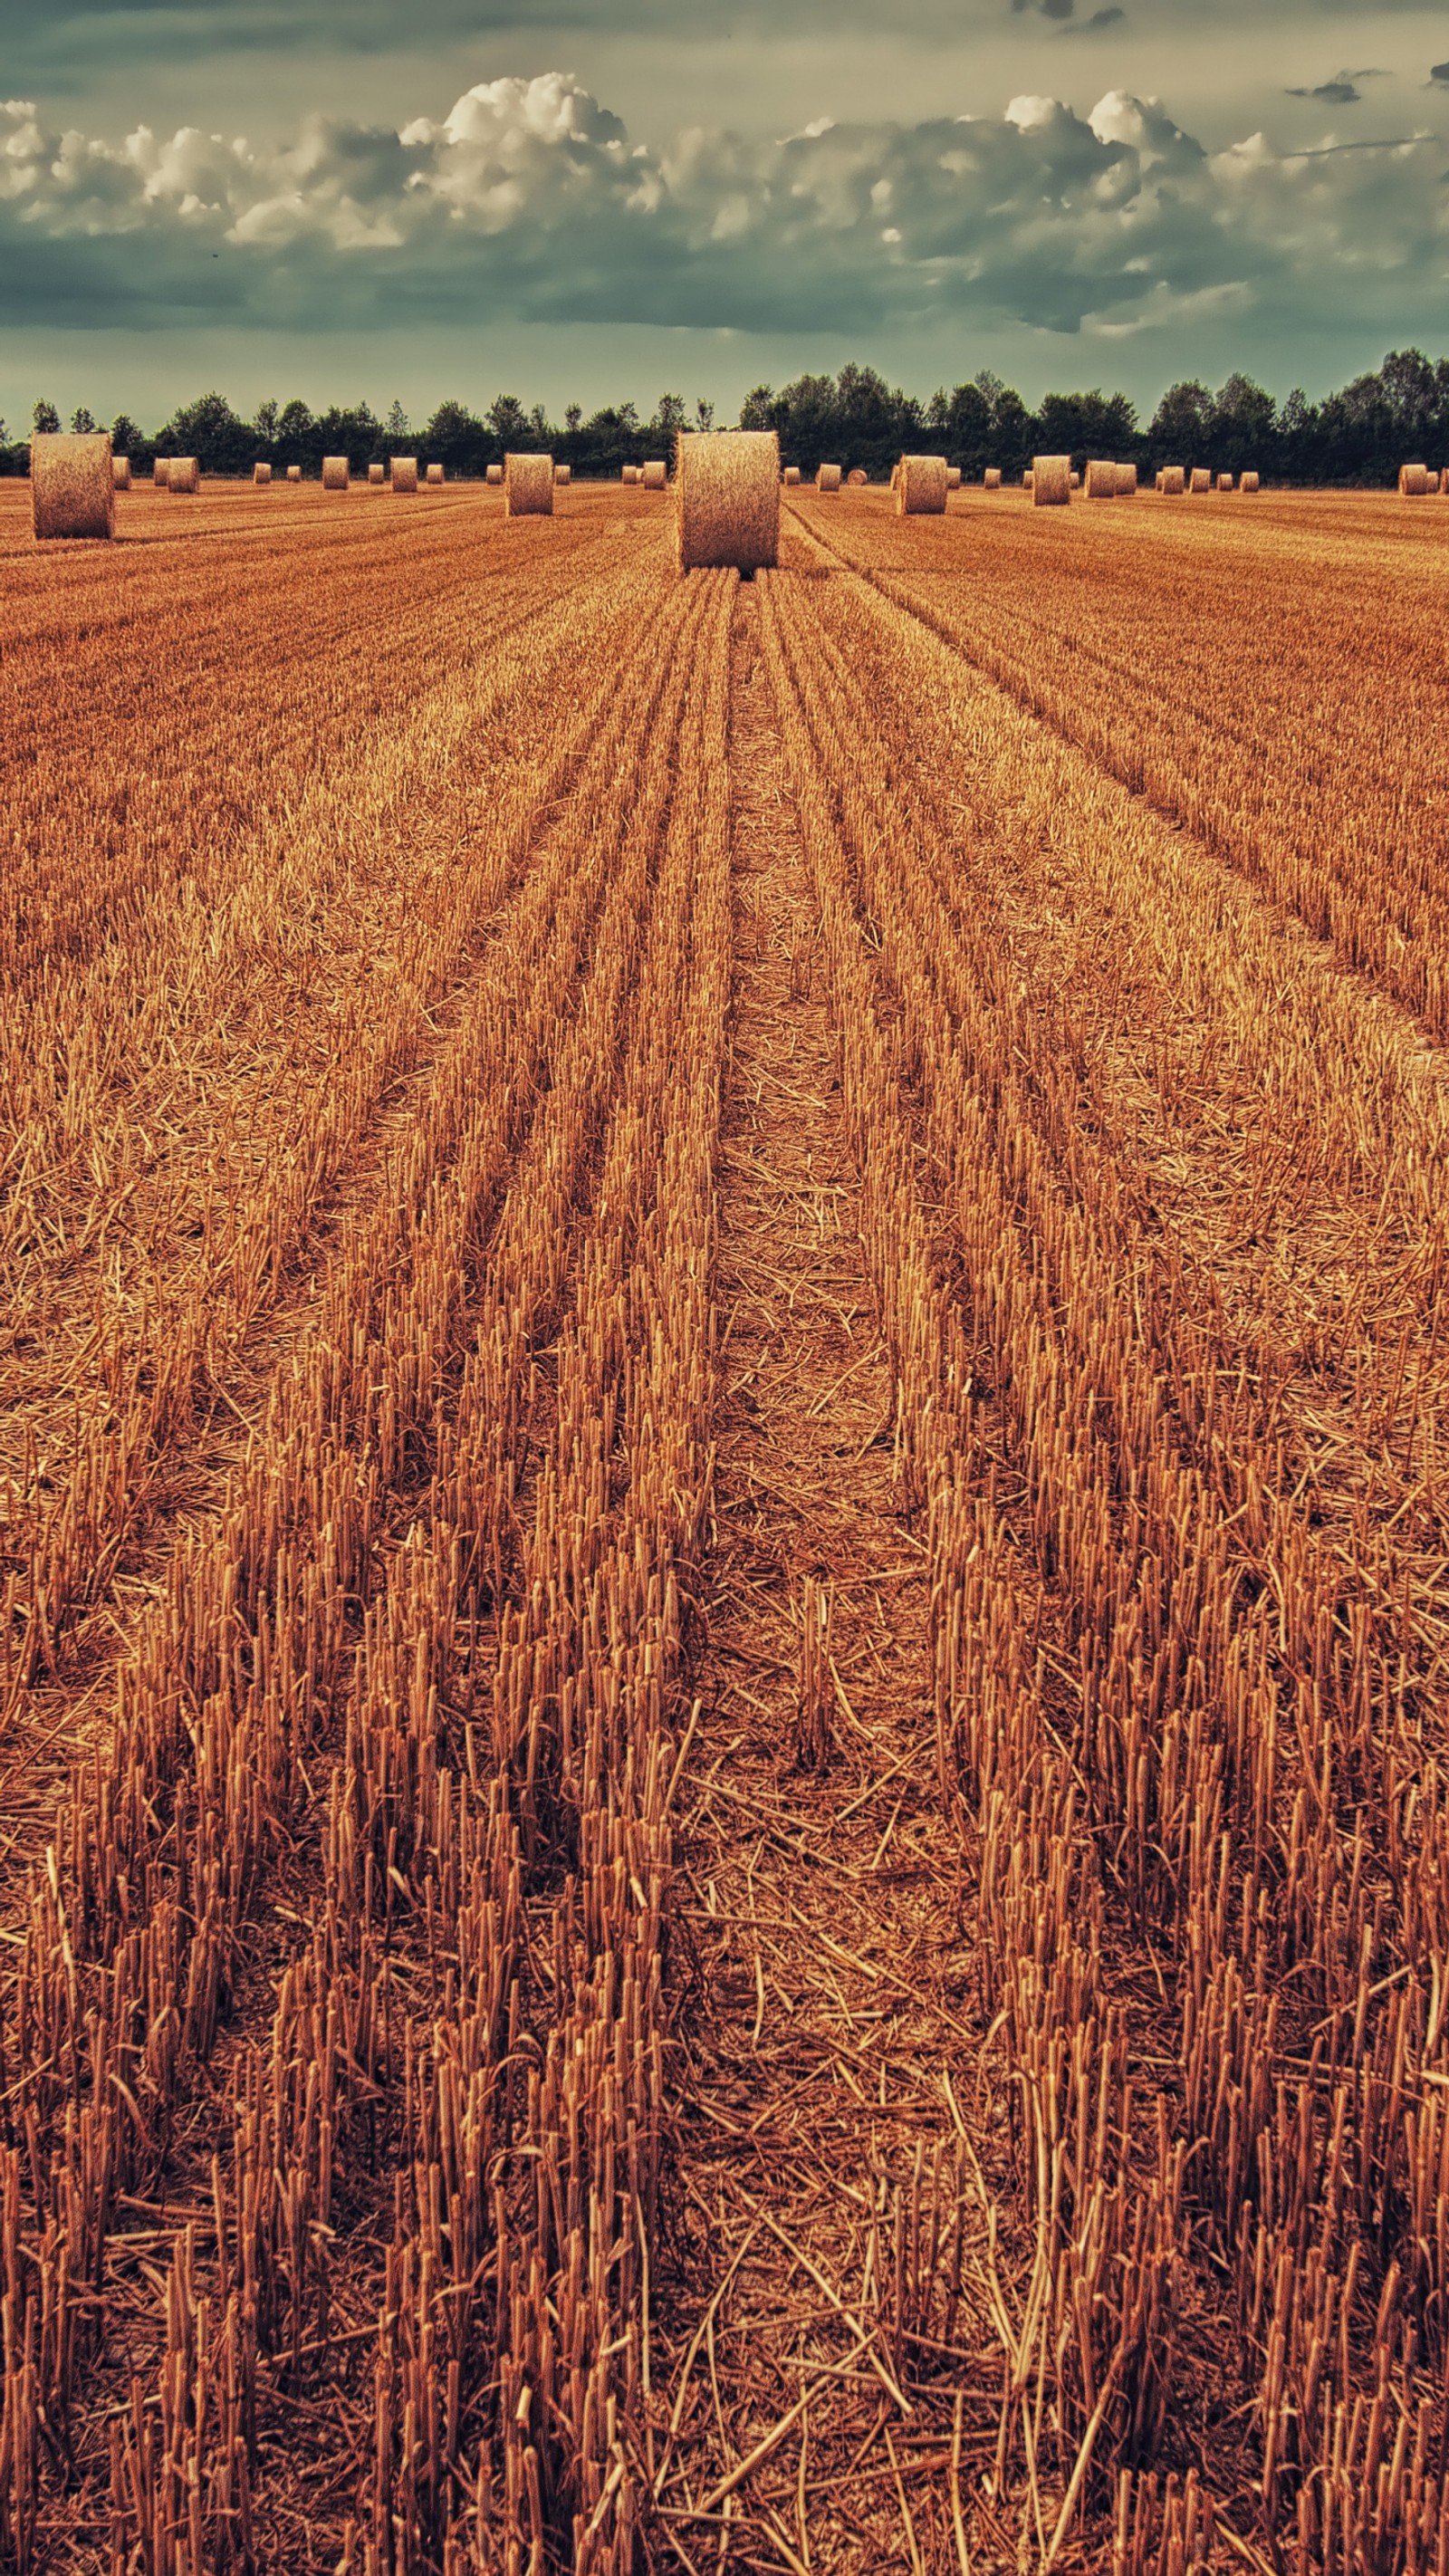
(161, 472)
(792, 475)
(953, 478)
(261, 473)
(654, 473)
(1225, 482)
(183, 474)
(1101, 480)
(72, 487)
(727, 494)
(121, 473)
(1413, 482)
(436, 475)
(1174, 479)
(1127, 482)
(336, 474)
(921, 486)
(856, 477)
(1202, 480)
(991, 479)
(404, 470)
(1051, 482)
(1028, 481)
(528, 487)
(294, 474)
(629, 474)
(376, 477)
(563, 474)
(1074, 481)
(1248, 482)
(828, 478)
(493, 474)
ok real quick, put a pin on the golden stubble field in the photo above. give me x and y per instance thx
(725, 1591)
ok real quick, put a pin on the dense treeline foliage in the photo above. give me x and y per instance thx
(1360, 435)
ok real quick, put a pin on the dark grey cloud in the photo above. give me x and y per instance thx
(1440, 72)
(1341, 91)
(1099, 21)
(529, 200)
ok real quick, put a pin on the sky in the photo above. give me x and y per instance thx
(591, 199)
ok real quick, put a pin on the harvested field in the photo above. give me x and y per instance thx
(725, 1625)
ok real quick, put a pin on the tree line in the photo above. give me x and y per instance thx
(1359, 436)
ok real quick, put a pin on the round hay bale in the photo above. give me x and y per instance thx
(1028, 481)
(1174, 479)
(991, 479)
(727, 493)
(528, 487)
(1413, 482)
(953, 478)
(1127, 482)
(404, 470)
(856, 477)
(1101, 480)
(828, 478)
(161, 472)
(376, 477)
(563, 474)
(1074, 481)
(336, 474)
(493, 474)
(922, 486)
(1200, 480)
(121, 473)
(72, 487)
(183, 474)
(1248, 482)
(434, 475)
(792, 475)
(1051, 482)
(1225, 482)
(261, 473)
(294, 474)
(654, 473)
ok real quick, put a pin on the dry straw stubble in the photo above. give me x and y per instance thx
(1051, 482)
(922, 483)
(72, 487)
(528, 486)
(727, 490)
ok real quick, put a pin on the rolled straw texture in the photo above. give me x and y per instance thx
(436, 475)
(1174, 478)
(336, 474)
(1413, 481)
(294, 474)
(1101, 480)
(828, 478)
(991, 480)
(922, 487)
(121, 473)
(493, 474)
(1248, 483)
(792, 475)
(1225, 482)
(261, 473)
(183, 474)
(528, 487)
(856, 477)
(376, 477)
(654, 474)
(1127, 481)
(404, 474)
(1028, 481)
(1074, 481)
(1202, 481)
(1051, 482)
(72, 488)
(563, 474)
(161, 472)
(727, 493)
(953, 478)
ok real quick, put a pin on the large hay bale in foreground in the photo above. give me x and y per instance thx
(563, 475)
(294, 474)
(528, 487)
(856, 477)
(404, 471)
(1174, 479)
(1051, 482)
(183, 474)
(991, 479)
(376, 477)
(792, 476)
(828, 478)
(493, 474)
(1248, 483)
(336, 474)
(654, 474)
(121, 473)
(921, 486)
(72, 488)
(161, 472)
(261, 473)
(1101, 479)
(1413, 482)
(727, 493)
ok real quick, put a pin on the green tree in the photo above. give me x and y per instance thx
(45, 420)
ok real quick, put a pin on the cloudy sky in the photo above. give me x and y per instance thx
(591, 198)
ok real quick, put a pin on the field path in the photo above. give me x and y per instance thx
(828, 2045)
